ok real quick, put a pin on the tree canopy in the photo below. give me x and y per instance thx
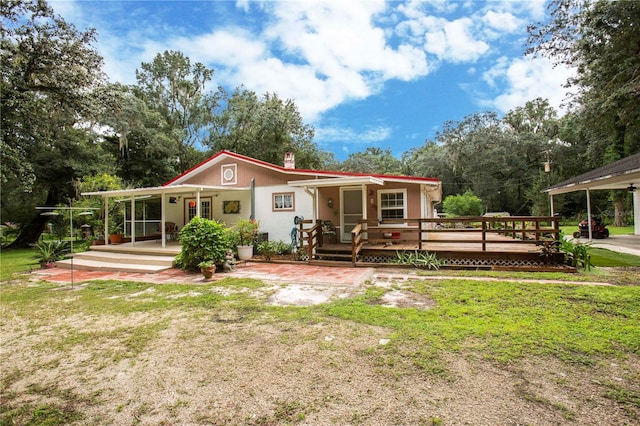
(51, 74)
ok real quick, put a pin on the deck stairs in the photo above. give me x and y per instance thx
(333, 253)
(121, 258)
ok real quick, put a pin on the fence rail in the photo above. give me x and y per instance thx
(433, 232)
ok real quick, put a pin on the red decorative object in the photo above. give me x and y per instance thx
(192, 203)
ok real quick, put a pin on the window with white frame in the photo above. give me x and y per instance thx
(283, 201)
(392, 204)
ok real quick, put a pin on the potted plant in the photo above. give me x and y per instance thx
(247, 230)
(116, 234)
(47, 252)
(207, 268)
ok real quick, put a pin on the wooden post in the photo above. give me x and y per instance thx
(484, 235)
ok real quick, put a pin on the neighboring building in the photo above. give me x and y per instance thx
(230, 186)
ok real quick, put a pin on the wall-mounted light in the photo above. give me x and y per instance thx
(173, 200)
(631, 188)
(330, 202)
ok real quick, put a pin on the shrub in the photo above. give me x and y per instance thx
(202, 240)
(247, 230)
(576, 255)
(418, 259)
(466, 204)
(268, 249)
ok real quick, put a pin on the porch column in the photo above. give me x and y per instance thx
(636, 212)
(551, 204)
(133, 220)
(589, 215)
(162, 220)
(106, 220)
(198, 204)
(365, 207)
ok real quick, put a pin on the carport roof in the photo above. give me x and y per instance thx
(618, 175)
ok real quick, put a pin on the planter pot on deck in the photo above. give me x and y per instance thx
(115, 238)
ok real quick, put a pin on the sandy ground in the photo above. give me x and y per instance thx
(218, 368)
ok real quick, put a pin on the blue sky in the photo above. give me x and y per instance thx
(362, 73)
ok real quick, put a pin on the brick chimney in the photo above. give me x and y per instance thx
(289, 160)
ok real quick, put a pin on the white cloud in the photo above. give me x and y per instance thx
(526, 79)
(319, 53)
(453, 40)
(354, 136)
(501, 21)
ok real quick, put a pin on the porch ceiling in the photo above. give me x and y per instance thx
(158, 190)
(343, 181)
(618, 175)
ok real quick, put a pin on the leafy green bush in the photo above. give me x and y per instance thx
(466, 204)
(418, 259)
(202, 240)
(268, 249)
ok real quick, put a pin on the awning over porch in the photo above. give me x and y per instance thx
(623, 174)
(342, 181)
(140, 194)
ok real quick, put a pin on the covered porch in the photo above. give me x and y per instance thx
(173, 207)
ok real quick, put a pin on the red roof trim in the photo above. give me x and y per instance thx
(297, 171)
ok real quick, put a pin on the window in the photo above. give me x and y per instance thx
(283, 202)
(392, 204)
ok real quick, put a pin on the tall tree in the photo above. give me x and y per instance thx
(50, 73)
(145, 153)
(265, 128)
(600, 38)
(373, 160)
(175, 88)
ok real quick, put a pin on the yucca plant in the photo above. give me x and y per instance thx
(48, 252)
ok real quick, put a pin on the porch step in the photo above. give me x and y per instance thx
(117, 262)
(334, 255)
(340, 263)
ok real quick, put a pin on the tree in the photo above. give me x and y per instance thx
(264, 128)
(145, 154)
(601, 40)
(175, 89)
(432, 160)
(466, 204)
(372, 160)
(50, 76)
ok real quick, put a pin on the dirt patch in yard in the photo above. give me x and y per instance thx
(221, 366)
(216, 371)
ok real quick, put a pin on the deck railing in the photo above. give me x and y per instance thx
(310, 237)
(452, 232)
(459, 230)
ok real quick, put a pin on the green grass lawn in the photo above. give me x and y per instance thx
(604, 257)
(503, 322)
(613, 230)
(16, 261)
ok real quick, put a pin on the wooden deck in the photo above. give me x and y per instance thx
(465, 242)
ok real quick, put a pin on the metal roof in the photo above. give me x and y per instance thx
(618, 175)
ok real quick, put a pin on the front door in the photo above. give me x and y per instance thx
(350, 211)
(190, 208)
